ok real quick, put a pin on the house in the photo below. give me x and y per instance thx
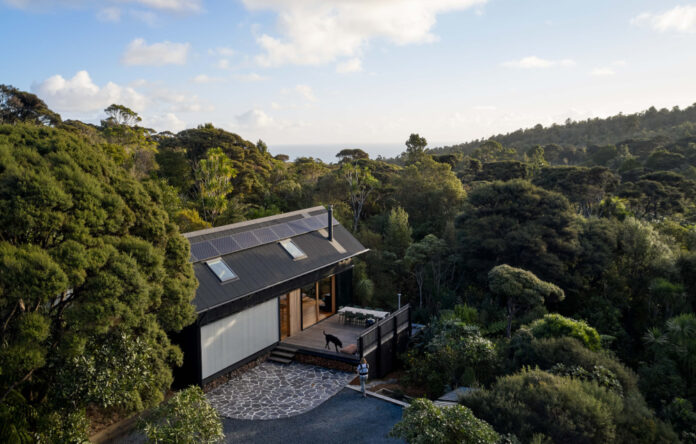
(260, 282)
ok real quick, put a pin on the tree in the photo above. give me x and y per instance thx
(521, 290)
(121, 115)
(214, 181)
(428, 254)
(20, 106)
(415, 149)
(425, 423)
(360, 184)
(584, 187)
(351, 155)
(87, 257)
(431, 195)
(518, 224)
(186, 418)
(566, 410)
(397, 234)
(555, 326)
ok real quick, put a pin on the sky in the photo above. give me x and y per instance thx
(310, 77)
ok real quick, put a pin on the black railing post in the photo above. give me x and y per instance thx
(360, 346)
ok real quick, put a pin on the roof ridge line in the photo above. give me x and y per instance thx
(245, 223)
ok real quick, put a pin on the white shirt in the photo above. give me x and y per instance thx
(363, 369)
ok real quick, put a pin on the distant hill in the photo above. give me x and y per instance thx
(673, 124)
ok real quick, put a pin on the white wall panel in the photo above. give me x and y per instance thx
(231, 339)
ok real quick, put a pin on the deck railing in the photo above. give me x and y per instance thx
(385, 335)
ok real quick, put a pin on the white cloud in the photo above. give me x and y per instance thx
(602, 72)
(157, 54)
(169, 5)
(109, 15)
(223, 64)
(276, 105)
(485, 108)
(251, 77)
(163, 5)
(306, 92)
(350, 65)
(222, 51)
(80, 94)
(255, 118)
(315, 32)
(679, 19)
(533, 62)
(204, 78)
(162, 122)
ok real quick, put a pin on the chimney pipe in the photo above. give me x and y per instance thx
(329, 227)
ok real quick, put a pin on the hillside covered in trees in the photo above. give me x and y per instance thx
(555, 267)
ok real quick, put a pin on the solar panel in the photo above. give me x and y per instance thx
(225, 245)
(246, 239)
(299, 226)
(315, 223)
(265, 235)
(283, 231)
(203, 250)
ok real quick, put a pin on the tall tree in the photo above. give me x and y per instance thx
(214, 181)
(87, 258)
(21, 106)
(520, 290)
(415, 149)
(360, 184)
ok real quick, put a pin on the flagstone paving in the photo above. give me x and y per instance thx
(271, 391)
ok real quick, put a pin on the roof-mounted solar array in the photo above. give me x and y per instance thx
(249, 239)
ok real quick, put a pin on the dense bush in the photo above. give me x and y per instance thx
(524, 350)
(450, 354)
(424, 423)
(554, 325)
(567, 410)
(187, 418)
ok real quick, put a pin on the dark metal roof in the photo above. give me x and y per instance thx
(268, 264)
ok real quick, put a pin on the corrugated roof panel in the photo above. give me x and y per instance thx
(283, 231)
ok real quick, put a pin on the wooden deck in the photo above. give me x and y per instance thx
(312, 338)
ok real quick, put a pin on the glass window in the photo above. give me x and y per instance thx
(309, 305)
(221, 270)
(293, 250)
(326, 298)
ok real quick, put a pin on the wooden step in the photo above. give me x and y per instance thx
(279, 359)
(283, 354)
(285, 348)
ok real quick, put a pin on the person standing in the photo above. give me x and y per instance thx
(363, 370)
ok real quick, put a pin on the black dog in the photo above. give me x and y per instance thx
(332, 339)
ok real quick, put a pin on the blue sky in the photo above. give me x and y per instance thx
(308, 74)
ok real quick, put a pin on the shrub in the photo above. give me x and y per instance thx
(424, 423)
(524, 350)
(187, 418)
(555, 326)
(566, 409)
(450, 354)
(532, 402)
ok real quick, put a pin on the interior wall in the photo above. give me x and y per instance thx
(231, 339)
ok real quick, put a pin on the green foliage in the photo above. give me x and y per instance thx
(554, 325)
(19, 106)
(681, 415)
(449, 352)
(518, 224)
(424, 423)
(397, 234)
(564, 409)
(187, 418)
(214, 181)
(88, 255)
(521, 290)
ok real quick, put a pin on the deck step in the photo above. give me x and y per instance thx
(285, 348)
(283, 354)
(279, 359)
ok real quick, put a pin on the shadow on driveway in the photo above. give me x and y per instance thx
(345, 418)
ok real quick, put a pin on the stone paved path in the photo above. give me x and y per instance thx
(271, 391)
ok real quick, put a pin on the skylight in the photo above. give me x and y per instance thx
(221, 270)
(293, 250)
